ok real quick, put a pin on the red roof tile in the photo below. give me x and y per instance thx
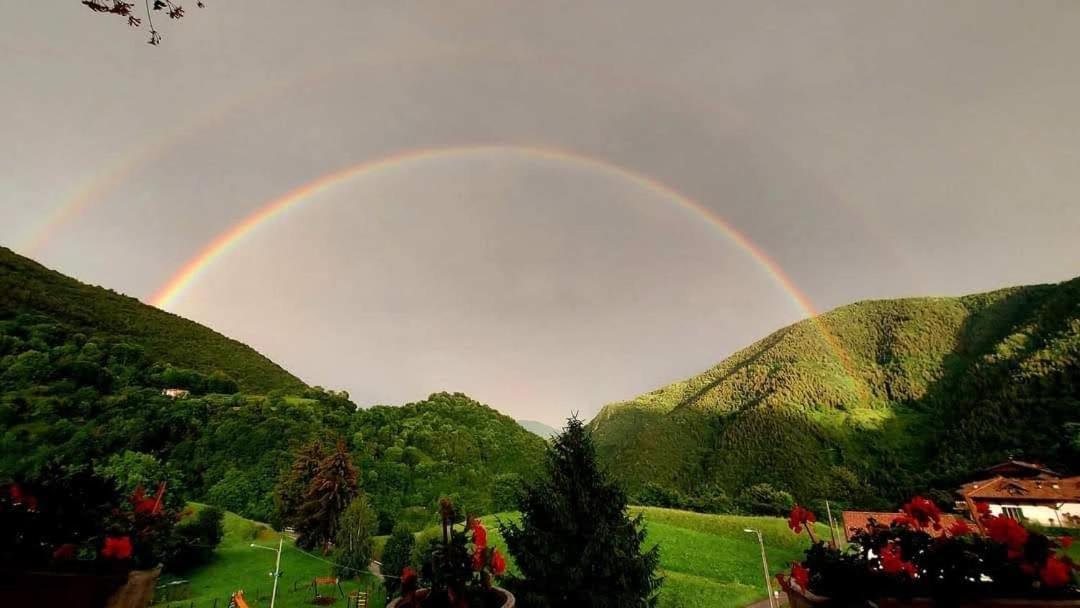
(859, 520)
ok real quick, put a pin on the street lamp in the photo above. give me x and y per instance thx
(764, 564)
(277, 566)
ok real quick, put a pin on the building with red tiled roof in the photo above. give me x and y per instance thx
(859, 520)
(1051, 501)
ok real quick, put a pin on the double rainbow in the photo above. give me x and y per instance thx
(189, 274)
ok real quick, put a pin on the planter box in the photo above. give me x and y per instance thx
(134, 590)
(798, 598)
(508, 598)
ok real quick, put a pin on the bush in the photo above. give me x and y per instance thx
(763, 499)
(200, 536)
(396, 555)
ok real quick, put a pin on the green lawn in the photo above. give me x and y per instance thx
(240, 566)
(706, 560)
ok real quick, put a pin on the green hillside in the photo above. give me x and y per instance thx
(239, 566)
(868, 402)
(27, 287)
(81, 376)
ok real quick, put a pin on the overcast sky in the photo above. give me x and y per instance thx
(872, 149)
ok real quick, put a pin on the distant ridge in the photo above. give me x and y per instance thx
(936, 389)
(539, 428)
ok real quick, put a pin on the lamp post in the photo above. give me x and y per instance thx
(277, 567)
(764, 564)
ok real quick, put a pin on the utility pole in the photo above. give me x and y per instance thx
(764, 565)
(832, 529)
(277, 566)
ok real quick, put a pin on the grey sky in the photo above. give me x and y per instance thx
(873, 149)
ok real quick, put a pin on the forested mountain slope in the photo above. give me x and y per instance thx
(27, 287)
(867, 402)
(81, 376)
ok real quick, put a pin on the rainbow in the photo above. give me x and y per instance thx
(183, 279)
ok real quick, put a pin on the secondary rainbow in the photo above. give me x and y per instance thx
(183, 279)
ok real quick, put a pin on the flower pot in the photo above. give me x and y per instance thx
(799, 598)
(421, 596)
(133, 590)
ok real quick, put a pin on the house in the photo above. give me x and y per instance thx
(860, 520)
(175, 393)
(1045, 498)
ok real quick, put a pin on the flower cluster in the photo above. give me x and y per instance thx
(487, 561)
(917, 555)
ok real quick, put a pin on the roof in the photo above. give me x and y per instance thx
(1024, 490)
(1019, 468)
(860, 520)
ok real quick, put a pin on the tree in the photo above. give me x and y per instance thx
(294, 484)
(576, 544)
(331, 491)
(396, 555)
(121, 8)
(353, 546)
(201, 534)
(763, 499)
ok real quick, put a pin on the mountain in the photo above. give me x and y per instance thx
(867, 403)
(81, 376)
(539, 428)
(28, 288)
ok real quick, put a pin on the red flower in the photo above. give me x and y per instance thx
(19, 497)
(892, 562)
(1055, 573)
(982, 509)
(498, 563)
(408, 578)
(924, 512)
(800, 517)
(479, 534)
(1008, 532)
(1066, 542)
(478, 559)
(64, 552)
(960, 528)
(117, 547)
(800, 575)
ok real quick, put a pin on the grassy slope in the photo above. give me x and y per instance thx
(707, 560)
(791, 403)
(26, 286)
(239, 566)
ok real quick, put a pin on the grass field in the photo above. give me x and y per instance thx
(706, 560)
(240, 566)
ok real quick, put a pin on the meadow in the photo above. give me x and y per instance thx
(238, 566)
(706, 560)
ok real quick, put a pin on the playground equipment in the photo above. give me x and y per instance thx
(332, 582)
(357, 599)
(237, 600)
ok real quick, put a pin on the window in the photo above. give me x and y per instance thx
(1016, 513)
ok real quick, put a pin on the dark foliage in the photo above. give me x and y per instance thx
(396, 556)
(576, 544)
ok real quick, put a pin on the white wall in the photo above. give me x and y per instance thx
(1042, 513)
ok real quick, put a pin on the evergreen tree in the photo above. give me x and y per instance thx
(331, 491)
(576, 544)
(291, 490)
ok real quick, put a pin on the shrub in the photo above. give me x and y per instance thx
(396, 556)
(763, 499)
(200, 535)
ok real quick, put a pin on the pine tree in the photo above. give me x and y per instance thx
(576, 544)
(291, 490)
(331, 491)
